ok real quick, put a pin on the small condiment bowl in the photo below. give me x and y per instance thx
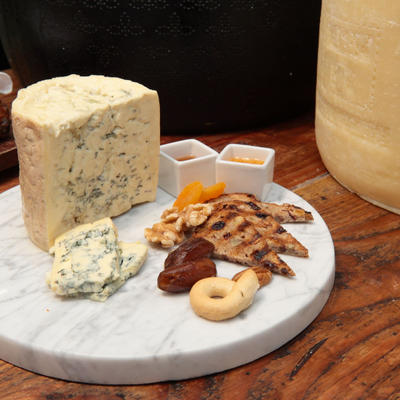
(198, 164)
(243, 177)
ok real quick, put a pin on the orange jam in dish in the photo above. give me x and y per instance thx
(247, 160)
(185, 158)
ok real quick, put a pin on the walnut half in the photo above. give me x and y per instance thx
(174, 223)
(164, 233)
(196, 214)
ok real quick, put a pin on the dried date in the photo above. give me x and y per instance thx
(180, 278)
(189, 250)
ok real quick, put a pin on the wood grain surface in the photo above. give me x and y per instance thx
(350, 351)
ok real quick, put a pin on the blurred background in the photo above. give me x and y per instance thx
(3, 59)
(216, 64)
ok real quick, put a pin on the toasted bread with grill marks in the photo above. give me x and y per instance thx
(275, 236)
(282, 213)
(237, 240)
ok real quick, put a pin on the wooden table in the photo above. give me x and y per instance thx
(350, 351)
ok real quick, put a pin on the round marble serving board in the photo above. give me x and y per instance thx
(141, 334)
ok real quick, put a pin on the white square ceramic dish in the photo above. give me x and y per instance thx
(245, 177)
(174, 175)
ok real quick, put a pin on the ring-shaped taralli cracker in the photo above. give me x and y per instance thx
(218, 298)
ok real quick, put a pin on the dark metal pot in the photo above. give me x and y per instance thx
(217, 65)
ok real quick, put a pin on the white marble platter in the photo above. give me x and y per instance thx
(141, 334)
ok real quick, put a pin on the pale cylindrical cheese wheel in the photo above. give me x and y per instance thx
(357, 121)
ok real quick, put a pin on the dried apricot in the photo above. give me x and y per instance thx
(213, 191)
(190, 194)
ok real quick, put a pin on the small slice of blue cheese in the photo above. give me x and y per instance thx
(132, 257)
(90, 262)
(85, 259)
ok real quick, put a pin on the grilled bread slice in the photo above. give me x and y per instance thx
(282, 213)
(237, 240)
(274, 235)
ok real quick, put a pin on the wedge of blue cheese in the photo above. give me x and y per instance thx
(88, 148)
(90, 262)
(132, 257)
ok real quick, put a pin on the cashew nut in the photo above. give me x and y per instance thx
(218, 298)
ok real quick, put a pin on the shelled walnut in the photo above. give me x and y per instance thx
(174, 223)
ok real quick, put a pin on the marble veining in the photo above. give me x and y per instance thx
(141, 334)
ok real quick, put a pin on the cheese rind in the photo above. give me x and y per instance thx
(88, 148)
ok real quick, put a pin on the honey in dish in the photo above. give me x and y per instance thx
(247, 160)
(185, 158)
